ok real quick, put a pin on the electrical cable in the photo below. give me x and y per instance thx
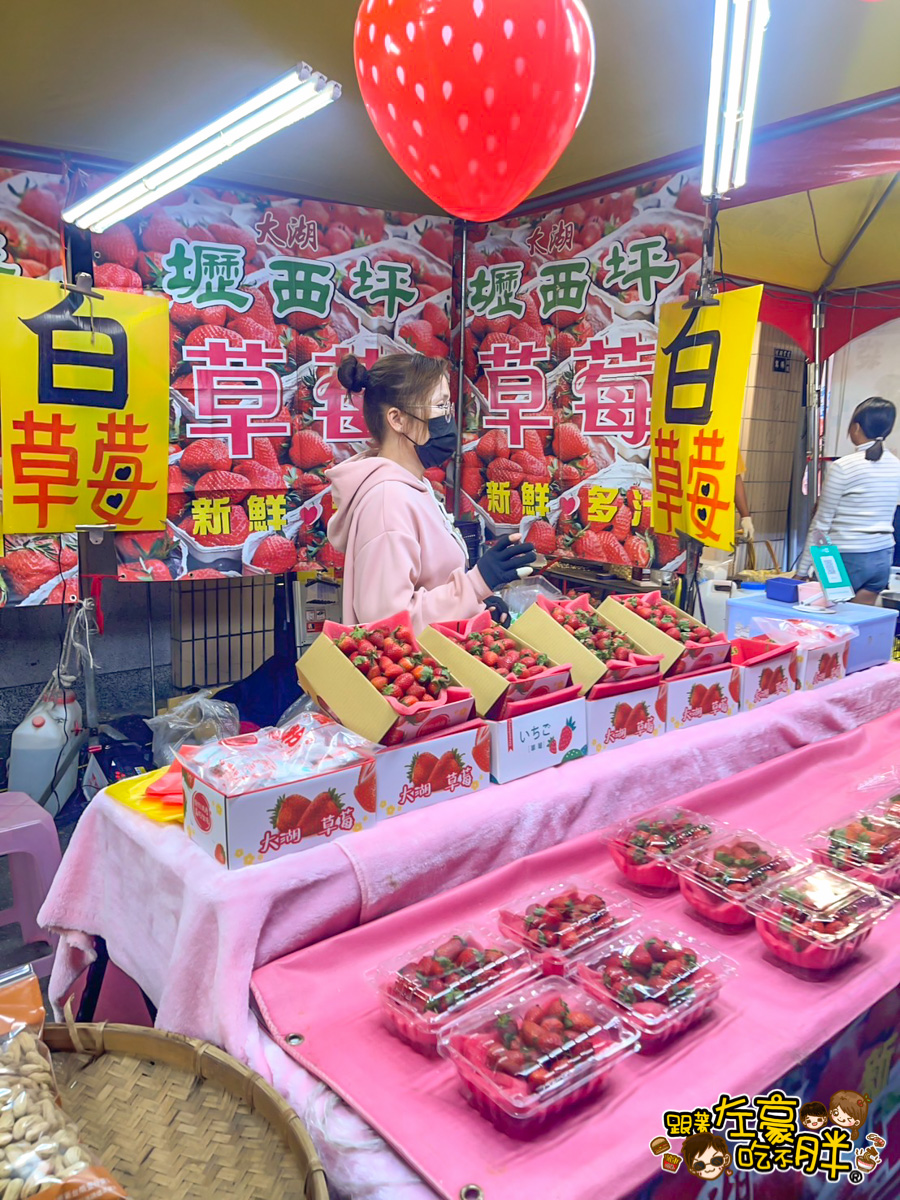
(815, 222)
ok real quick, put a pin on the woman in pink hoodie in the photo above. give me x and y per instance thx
(403, 552)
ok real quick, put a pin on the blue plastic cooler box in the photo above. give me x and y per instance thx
(875, 626)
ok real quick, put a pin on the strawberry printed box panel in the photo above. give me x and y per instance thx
(500, 670)
(533, 741)
(768, 671)
(619, 714)
(685, 644)
(703, 696)
(379, 681)
(434, 768)
(572, 629)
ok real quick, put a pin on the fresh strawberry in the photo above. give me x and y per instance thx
(160, 231)
(421, 768)
(117, 278)
(188, 316)
(542, 536)
(206, 454)
(310, 450)
(569, 443)
(505, 470)
(601, 547)
(41, 205)
(365, 791)
(115, 245)
(146, 570)
(275, 554)
(236, 536)
(638, 551)
(204, 333)
(26, 570)
(493, 444)
(263, 480)
(481, 752)
(447, 765)
(264, 452)
(228, 484)
(133, 546)
(289, 812)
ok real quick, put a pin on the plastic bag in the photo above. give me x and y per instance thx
(809, 635)
(312, 744)
(42, 1153)
(299, 708)
(199, 719)
(522, 593)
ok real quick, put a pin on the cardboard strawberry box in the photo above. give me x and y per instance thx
(344, 685)
(431, 770)
(596, 650)
(544, 737)
(661, 628)
(703, 696)
(496, 696)
(768, 670)
(619, 714)
(247, 828)
(822, 664)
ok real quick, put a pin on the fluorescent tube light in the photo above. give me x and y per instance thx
(733, 87)
(296, 95)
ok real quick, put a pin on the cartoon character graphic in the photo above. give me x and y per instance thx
(706, 1155)
(849, 1110)
(813, 1115)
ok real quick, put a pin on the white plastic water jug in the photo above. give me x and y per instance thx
(38, 744)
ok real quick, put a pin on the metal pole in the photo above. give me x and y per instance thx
(461, 380)
(150, 647)
(818, 396)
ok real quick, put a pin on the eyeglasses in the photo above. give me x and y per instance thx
(718, 1161)
(442, 410)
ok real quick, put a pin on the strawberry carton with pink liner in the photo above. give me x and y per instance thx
(685, 644)
(643, 847)
(702, 696)
(865, 845)
(768, 670)
(622, 713)
(663, 980)
(815, 920)
(529, 1058)
(544, 732)
(572, 630)
(822, 650)
(561, 921)
(382, 682)
(438, 765)
(499, 669)
(261, 796)
(429, 986)
(718, 875)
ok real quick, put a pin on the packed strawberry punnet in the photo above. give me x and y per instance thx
(393, 664)
(605, 642)
(671, 621)
(718, 874)
(496, 649)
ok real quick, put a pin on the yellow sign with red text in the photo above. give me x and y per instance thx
(84, 408)
(702, 366)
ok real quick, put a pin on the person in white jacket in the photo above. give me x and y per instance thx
(859, 497)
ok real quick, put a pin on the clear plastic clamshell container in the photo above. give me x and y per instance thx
(444, 977)
(717, 876)
(866, 845)
(889, 806)
(560, 921)
(642, 847)
(815, 918)
(664, 980)
(532, 1055)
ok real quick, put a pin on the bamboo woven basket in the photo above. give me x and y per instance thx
(169, 1116)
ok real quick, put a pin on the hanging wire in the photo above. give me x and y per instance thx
(815, 222)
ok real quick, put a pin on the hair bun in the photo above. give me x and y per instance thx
(352, 374)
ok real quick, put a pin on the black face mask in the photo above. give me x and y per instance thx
(441, 442)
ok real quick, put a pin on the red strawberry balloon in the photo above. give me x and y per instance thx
(475, 99)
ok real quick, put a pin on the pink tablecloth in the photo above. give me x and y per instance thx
(766, 1020)
(191, 934)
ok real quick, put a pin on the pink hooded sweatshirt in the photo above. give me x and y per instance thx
(402, 552)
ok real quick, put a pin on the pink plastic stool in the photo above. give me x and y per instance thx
(29, 838)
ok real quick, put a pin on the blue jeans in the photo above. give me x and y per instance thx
(870, 569)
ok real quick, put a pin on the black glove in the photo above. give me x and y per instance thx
(500, 565)
(498, 610)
